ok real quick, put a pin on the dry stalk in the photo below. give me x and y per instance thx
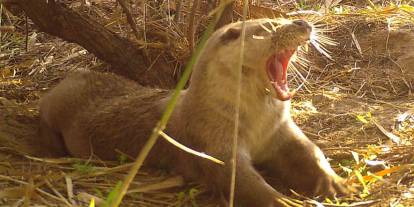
(133, 26)
(179, 4)
(35, 188)
(28, 193)
(191, 25)
(144, 10)
(7, 28)
(57, 193)
(236, 116)
(129, 17)
(26, 31)
(191, 151)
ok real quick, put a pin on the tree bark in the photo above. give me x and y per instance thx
(123, 55)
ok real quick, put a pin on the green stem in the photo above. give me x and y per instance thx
(168, 111)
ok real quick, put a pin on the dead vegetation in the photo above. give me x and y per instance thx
(358, 105)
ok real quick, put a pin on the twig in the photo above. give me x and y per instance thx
(7, 28)
(104, 171)
(130, 19)
(237, 114)
(168, 183)
(59, 195)
(69, 189)
(28, 192)
(36, 188)
(144, 10)
(356, 204)
(179, 4)
(390, 135)
(26, 43)
(191, 26)
(134, 28)
(191, 151)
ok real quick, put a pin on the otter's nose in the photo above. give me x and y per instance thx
(303, 23)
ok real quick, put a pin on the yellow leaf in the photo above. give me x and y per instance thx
(92, 203)
(327, 200)
(362, 119)
(407, 8)
(362, 181)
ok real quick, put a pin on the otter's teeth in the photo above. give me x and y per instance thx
(282, 94)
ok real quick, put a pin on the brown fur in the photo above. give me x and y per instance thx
(91, 113)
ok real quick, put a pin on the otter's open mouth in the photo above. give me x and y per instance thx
(276, 68)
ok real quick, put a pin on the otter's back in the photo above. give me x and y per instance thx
(78, 91)
(101, 110)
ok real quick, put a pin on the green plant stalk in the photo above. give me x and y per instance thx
(168, 111)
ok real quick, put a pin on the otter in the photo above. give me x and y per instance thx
(97, 114)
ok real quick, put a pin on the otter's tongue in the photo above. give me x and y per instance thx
(277, 72)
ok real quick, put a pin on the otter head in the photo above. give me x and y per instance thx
(268, 47)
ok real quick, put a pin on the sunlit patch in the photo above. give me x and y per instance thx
(303, 109)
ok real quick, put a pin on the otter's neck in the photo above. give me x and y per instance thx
(212, 97)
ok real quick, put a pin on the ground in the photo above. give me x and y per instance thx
(356, 105)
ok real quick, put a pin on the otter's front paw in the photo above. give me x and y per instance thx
(319, 179)
(308, 172)
(330, 185)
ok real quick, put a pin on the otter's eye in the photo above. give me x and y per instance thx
(303, 24)
(231, 34)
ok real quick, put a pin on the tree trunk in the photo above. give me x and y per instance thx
(123, 55)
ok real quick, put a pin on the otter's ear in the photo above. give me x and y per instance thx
(230, 35)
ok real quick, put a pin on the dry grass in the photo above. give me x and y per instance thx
(352, 106)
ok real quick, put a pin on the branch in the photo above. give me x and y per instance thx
(130, 19)
(125, 56)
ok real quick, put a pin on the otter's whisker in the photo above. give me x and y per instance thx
(303, 62)
(321, 49)
(294, 68)
(265, 28)
(303, 84)
(325, 40)
(298, 58)
(319, 29)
